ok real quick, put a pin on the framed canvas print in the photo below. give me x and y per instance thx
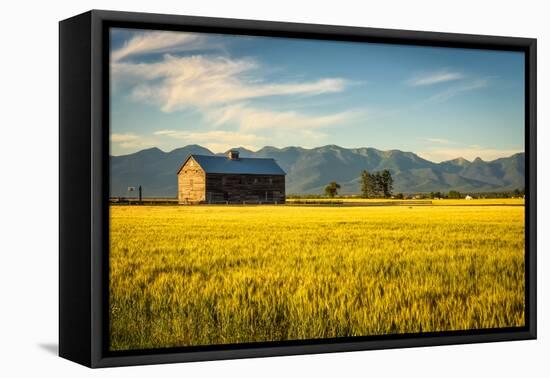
(234, 188)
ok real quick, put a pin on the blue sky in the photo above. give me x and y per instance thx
(171, 89)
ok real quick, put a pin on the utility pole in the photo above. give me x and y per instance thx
(140, 194)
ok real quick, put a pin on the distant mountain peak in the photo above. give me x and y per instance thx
(459, 161)
(191, 149)
(153, 149)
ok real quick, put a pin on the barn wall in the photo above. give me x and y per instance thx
(222, 188)
(191, 183)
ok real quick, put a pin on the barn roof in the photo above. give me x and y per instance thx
(242, 166)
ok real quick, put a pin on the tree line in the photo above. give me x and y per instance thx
(376, 184)
(373, 185)
(379, 184)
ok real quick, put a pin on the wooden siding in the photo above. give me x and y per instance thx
(234, 188)
(191, 183)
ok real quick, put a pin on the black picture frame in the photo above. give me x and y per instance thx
(84, 186)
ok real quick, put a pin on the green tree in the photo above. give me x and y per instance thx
(378, 184)
(454, 194)
(368, 185)
(332, 189)
(436, 195)
(386, 183)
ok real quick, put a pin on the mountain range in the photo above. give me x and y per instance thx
(310, 170)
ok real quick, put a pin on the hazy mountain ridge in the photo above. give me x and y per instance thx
(309, 170)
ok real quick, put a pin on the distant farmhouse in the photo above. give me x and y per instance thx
(230, 179)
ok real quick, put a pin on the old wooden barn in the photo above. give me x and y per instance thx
(230, 179)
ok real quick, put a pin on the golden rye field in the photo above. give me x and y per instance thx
(201, 275)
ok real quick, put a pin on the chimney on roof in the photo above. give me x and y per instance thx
(233, 155)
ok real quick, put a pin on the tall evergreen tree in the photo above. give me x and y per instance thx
(378, 183)
(368, 185)
(387, 183)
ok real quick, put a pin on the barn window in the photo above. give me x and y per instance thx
(255, 180)
(270, 180)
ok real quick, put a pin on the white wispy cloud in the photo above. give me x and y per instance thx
(221, 135)
(439, 140)
(442, 149)
(215, 140)
(128, 137)
(158, 42)
(221, 90)
(468, 152)
(131, 141)
(434, 78)
(177, 83)
(251, 119)
(458, 89)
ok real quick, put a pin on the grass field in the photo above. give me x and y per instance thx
(202, 275)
